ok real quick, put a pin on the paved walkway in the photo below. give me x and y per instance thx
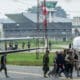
(27, 73)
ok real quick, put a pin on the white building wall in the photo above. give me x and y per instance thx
(1, 31)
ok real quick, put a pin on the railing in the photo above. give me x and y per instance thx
(14, 51)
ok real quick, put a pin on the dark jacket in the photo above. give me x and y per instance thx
(60, 59)
(46, 63)
(3, 60)
(45, 60)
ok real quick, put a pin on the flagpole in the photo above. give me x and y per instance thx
(37, 40)
(45, 24)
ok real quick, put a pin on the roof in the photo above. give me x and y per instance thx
(18, 18)
(26, 17)
(60, 19)
(7, 20)
(33, 17)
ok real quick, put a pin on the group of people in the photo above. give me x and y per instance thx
(15, 46)
(28, 45)
(65, 61)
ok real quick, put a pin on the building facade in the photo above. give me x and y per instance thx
(25, 24)
(76, 26)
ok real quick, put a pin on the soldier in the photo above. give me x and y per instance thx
(69, 60)
(50, 45)
(16, 45)
(46, 63)
(70, 45)
(76, 65)
(28, 45)
(3, 65)
(23, 45)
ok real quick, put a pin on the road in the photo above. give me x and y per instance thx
(27, 73)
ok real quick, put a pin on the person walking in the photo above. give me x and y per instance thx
(60, 63)
(3, 65)
(46, 63)
(69, 60)
(76, 63)
(53, 71)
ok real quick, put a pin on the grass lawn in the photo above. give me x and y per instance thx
(28, 59)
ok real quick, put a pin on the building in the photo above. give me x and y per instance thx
(60, 12)
(76, 26)
(25, 24)
(3, 22)
(76, 21)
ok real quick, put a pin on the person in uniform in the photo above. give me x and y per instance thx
(46, 63)
(69, 60)
(50, 45)
(28, 45)
(76, 63)
(23, 45)
(3, 64)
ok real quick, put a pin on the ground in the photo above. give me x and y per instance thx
(27, 73)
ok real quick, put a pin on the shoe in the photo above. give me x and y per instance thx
(60, 75)
(71, 77)
(7, 76)
(45, 76)
(49, 74)
(78, 75)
